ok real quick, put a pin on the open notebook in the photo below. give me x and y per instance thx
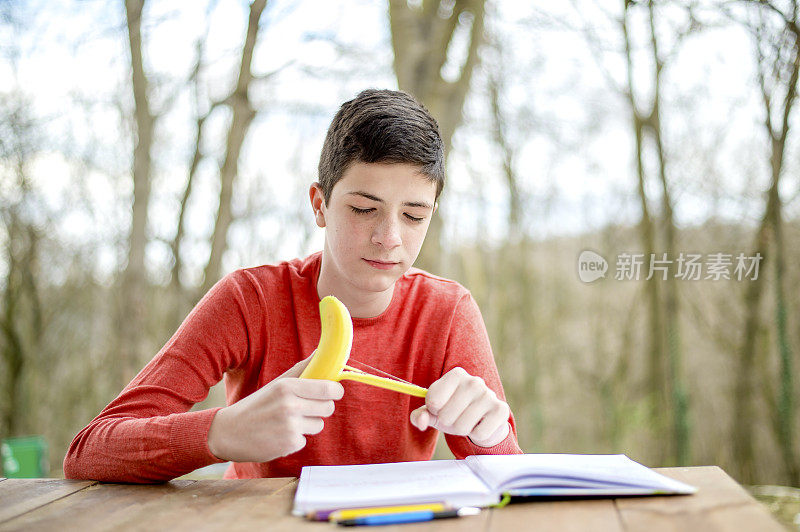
(478, 480)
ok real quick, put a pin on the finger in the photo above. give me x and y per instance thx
(469, 418)
(425, 420)
(440, 391)
(298, 368)
(500, 434)
(491, 427)
(317, 389)
(315, 407)
(469, 391)
(311, 425)
(435, 423)
(420, 418)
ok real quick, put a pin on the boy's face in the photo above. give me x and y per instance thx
(374, 223)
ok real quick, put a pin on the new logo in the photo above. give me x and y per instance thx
(591, 266)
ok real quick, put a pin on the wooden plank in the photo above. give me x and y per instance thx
(231, 505)
(180, 505)
(542, 515)
(252, 507)
(719, 504)
(275, 509)
(281, 519)
(472, 523)
(21, 495)
(96, 507)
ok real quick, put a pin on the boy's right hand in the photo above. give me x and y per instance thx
(273, 421)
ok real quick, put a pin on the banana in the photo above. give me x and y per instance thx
(330, 358)
(334, 342)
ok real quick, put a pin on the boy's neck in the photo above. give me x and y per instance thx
(360, 303)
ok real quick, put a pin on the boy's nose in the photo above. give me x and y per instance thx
(387, 234)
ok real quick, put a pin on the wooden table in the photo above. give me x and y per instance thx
(57, 504)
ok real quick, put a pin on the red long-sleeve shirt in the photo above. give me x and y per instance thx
(254, 325)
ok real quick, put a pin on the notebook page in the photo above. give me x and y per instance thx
(352, 486)
(617, 470)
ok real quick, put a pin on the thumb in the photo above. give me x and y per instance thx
(298, 368)
(423, 419)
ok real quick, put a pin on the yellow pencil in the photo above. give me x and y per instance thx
(354, 513)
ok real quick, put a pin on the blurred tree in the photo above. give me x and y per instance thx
(777, 45)
(497, 74)
(21, 325)
(511, 281)
(55, 320)
(675, 380)
(647, 223)
(643, 97)
(134, 287)
(243, 114)
(181, 301)
(132, 312)
(427, 36)
(648, 237)
(573, 357)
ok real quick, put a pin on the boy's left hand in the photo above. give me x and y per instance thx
(463, 405)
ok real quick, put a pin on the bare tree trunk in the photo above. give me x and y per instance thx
(614, 385)
(786, 408)
(785, 417)
(197, 156)
(647, 232)
(501, 138)
(675, 381)
(177, 264)
(514, 336)
(13, 352)
(133, 304)
(21, 320)
(770, 229)
(243, 114)
(744, 409)
(420, 39)
(23, 225)
(183, 302)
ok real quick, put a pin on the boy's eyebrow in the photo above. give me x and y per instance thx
(423, 204)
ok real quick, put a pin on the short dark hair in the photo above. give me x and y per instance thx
(381, 126)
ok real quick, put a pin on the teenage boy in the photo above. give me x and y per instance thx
(380, 174)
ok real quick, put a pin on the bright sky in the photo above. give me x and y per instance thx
(570, 129)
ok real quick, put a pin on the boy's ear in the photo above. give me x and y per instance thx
(317, 203)
(435, 206)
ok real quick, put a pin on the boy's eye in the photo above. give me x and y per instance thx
(414, 219)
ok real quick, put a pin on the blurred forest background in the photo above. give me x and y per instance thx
(147, 148)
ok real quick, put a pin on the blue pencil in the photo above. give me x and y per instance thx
(408, 517)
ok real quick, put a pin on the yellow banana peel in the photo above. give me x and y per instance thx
(330, 358)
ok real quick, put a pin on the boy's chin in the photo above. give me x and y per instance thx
(379, 283)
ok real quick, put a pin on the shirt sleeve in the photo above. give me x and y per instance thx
(147, 433)
(468, 347)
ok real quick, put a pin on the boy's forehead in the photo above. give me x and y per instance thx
(410, 203)
(394, 179)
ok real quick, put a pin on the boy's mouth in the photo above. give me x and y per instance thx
(381, 265)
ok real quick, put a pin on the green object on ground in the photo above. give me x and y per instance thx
(25, 457)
